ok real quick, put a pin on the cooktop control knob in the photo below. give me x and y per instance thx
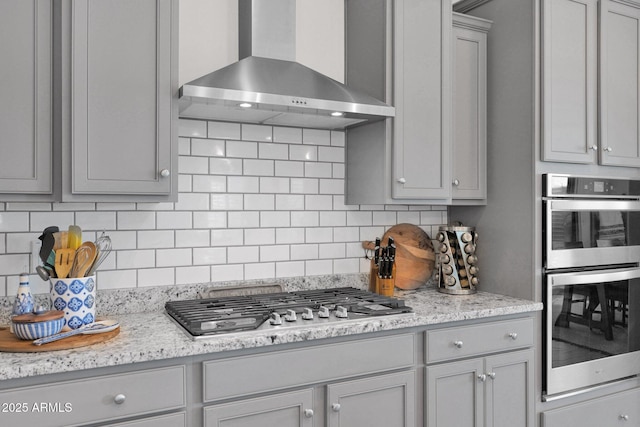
(323, 312)
(307, 314)
(341, 312)
(290, 316)
(275, 319)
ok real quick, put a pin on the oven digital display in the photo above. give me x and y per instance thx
(598, 187)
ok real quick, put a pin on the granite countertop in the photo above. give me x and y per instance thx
(153, 335)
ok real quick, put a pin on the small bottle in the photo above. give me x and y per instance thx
(24, 300)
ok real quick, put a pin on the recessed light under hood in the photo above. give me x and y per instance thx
(273, 88)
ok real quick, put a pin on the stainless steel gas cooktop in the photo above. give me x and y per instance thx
(213, 316)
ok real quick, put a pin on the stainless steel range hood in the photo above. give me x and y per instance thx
(267, 86)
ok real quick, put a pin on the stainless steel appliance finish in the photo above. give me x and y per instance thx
(201, 318)
(279, 90)
(592, 282)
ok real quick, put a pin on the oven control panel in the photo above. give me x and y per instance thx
(590, 187)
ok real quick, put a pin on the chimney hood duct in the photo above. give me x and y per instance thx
(268, 87)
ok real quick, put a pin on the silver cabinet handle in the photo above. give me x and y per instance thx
(608, 149)
(308, 413)
(482, 377)
(594, 147)
(456, 182)
(402, 180)
(335, 407)
(491, 375)
(624, 417)
(165, 173)
(458, 344)
(513, 336)
(119, 399)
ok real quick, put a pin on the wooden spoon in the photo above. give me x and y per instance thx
(84, 258)
(64, 262)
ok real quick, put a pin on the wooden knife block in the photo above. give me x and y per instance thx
(381, 286)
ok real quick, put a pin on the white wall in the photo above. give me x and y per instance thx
(209, 36)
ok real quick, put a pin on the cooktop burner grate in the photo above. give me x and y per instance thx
(212, 316)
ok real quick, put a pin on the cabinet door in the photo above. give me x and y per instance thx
(122, 126)
(422, 97)
(26, 94)
(619, 88)
(469, 137)
(282, 410)
(455, 394)
(383, 401)
(569, 81)
(509, 390)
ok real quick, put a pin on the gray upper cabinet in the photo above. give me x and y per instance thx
(399, 51)
(119, 123)
(570, 67)
(26, 92)
(469, 135)
(590, 81)
(619, 78)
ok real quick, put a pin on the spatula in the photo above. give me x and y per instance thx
(75, 237)
(64, 262)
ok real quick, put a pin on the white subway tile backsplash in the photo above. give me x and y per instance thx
(224, 130)
(273, 151)
(225, 166)
(207, 147)
(257, 133)
(259, 167)
(135, 259)
(174, 220)
(289, 202)
(303, 152)
(243, 254)
(255, 201)
(243, 184)
(242, 149)
(259, 236)
(274, 219)
(287, 134)
(289, 168)
(192, 128)
(234, 237)
(209, 219)
(316, 137)
(259, 202)
(156, 239)
(174, 257)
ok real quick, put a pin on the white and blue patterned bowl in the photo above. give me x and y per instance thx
(76, 297)
(35, 330)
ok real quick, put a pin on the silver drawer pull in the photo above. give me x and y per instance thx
(335, 407)
(119, 399)
(308, 413)
(458, 344)
(513, 336)
(624, 417)
(491, 375)
(482, 377)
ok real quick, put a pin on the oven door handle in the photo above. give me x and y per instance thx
(590, 277)
(593, 205)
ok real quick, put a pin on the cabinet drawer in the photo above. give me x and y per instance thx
(617, 409)
(454, 343)
(239, 376)
(72, 403)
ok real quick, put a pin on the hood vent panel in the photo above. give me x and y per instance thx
(278, 91)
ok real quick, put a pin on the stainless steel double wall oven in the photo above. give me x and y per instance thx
(591, 239)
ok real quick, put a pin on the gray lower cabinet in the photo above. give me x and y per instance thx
(495, 388)
(98, 399)
(620, 409)
(118, 111)
(170, 420)
(469, 83)
(26, 91)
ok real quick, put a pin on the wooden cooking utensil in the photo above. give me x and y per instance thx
(64, 262)
(61, 240)
(84, 258)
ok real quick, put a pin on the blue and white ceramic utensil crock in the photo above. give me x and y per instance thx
(77, 298)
